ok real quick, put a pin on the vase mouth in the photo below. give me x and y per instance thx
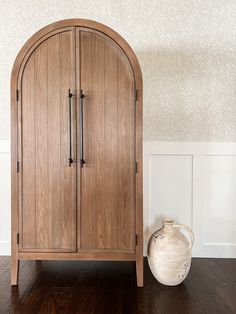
(168, 222)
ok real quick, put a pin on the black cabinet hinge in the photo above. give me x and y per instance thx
(17, 238)
(136, 167)
(136, 239)
(18, 166)
(136, 94)
(17, 94)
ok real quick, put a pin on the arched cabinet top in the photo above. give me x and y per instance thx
(63, 25)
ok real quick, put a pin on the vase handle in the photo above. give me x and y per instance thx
(189, 231)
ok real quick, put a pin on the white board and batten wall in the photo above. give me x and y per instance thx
(192, 182)
(5, 198)
(195, 184)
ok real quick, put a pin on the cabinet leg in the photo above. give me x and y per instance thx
(14, 271)
(139, 271)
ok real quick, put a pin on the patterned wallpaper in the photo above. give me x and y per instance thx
(186, 48)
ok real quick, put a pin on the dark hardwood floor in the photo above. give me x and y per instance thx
(110, 287)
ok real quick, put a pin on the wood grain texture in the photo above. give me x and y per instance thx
(28, 238)
(78, 135)
(54, 139)
(67, 174)
(126, 150)
(102, 287)
(115, 65)
(48, 184)
(81, 255)
(41, 151)
(111, 144)
(107, 199)
(87, 231)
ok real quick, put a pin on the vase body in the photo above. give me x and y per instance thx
(169, 253)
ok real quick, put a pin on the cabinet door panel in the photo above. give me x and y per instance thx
(48, 184)
(108, 176)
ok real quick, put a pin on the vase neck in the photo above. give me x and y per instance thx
(168, 225)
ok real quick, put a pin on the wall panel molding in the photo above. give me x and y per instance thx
(4, 146)
(205, 187)
(5, 204)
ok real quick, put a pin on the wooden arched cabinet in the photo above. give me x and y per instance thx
(76, 118)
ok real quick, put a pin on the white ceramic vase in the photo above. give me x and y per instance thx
(169, 253)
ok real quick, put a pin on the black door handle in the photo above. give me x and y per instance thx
(70, 160)
(82, 161)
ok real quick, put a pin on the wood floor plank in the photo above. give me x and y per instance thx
(204, 290)
(110, 287)
(223, 280)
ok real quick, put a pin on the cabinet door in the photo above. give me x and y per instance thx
(108, 177)
(47, 185)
